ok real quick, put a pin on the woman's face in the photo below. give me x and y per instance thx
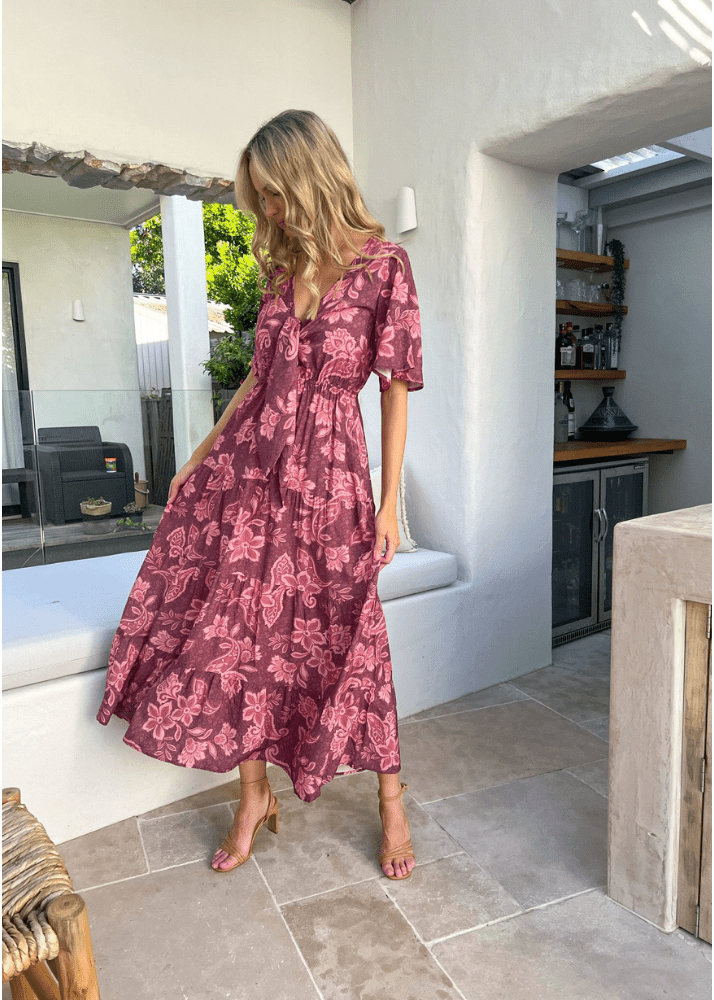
(271, 202)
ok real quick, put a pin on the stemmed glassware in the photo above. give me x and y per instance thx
(562, 220)
(583, 219)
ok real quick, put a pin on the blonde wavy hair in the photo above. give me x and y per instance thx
(299, 156)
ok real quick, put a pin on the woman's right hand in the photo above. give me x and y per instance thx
(180, 478)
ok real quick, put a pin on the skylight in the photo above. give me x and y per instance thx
(643, 153)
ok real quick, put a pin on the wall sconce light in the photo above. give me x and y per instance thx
(406, 210)
(78, 311)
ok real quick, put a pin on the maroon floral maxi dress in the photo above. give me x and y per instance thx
(254, 630)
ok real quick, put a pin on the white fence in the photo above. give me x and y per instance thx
(152, 343)
(152, 338)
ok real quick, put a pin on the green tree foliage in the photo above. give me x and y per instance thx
(231, 278)
(231, 270)
(147, 257)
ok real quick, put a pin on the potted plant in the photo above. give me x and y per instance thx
(617, 251)
(134, 514)
(228, 365)
(95, 515)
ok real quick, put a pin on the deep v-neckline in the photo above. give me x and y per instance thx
(329, 291)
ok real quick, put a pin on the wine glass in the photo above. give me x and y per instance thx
(562, 220)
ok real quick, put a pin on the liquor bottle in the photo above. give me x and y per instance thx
(613, 352)
(570, 403)
(587, 350)
(574, 334)
(600, 347)
(564, 351)
(560, 429)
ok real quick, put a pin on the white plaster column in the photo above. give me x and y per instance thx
(187, 312)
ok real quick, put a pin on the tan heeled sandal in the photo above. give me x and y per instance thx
(392, 853)
(271, 818)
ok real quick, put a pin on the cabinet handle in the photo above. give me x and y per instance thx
(607, 525)
(596, 531)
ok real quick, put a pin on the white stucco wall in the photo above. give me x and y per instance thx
(80, 373)
(439, 92)
(184, 84)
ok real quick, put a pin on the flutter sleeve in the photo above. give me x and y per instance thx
(397, 328)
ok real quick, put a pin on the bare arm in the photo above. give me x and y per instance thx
(241, 392)
(394, 435)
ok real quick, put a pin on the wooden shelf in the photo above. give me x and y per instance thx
(574, 451)
(573, 260)
(570, 451)
(598, 374)
(568, 307)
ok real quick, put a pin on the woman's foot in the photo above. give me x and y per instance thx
(395, 829)
(253, 805)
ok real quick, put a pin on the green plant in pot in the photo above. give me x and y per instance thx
(95, 515)
(229, 364)
(96, 507)
(617, 251)
(134, 514)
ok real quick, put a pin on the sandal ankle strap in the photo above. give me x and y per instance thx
(386, 798)
(254, 780)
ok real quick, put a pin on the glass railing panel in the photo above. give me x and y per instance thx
(22, 520)
(119, 446)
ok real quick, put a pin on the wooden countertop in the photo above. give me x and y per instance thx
(570, 451)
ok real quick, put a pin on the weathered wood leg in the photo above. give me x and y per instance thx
(67, 915)
(20, 989)
(42, 982)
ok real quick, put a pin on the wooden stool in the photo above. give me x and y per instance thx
(44, 923)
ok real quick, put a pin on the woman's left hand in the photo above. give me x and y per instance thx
(386, 529)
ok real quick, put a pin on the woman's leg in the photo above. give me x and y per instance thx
(395, 825)
(254, 799)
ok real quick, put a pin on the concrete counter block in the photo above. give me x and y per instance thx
(660, 562)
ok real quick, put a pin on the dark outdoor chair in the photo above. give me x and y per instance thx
(71, 467)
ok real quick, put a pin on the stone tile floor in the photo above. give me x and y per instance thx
(507, 804)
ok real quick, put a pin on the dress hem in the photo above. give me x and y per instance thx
(307, 797)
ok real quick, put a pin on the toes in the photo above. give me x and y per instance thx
(398, 869)
(220, 860)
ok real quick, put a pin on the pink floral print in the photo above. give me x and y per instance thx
(254, 630)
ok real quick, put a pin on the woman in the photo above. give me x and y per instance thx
(254, 631)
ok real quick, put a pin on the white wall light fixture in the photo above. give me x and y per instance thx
(406, 210)
(78, 311)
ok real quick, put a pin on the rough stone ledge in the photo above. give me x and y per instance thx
(82, 170)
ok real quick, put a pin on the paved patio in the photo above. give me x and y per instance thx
(507, 803)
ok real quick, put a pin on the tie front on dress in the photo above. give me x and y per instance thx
(276, 429)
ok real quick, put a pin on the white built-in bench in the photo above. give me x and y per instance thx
(58, 624)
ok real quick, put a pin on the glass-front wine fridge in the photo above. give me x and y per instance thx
(588, 501)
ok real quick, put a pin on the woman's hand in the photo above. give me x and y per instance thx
(180, 478)
(385, 523)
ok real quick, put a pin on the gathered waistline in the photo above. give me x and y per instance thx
(306, 383)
